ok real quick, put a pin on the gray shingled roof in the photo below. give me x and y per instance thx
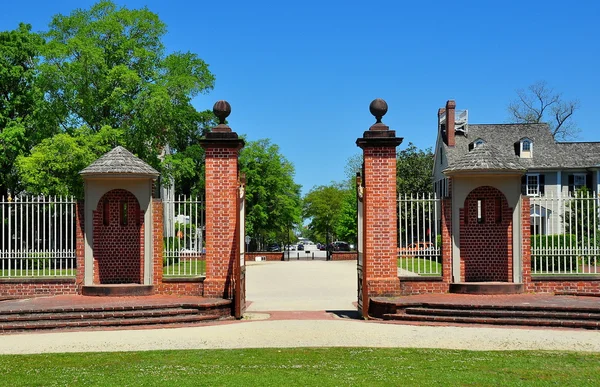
(486, 158)
(119, 161)
(500, 154)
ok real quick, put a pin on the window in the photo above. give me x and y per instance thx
(123, 212)
(533, 185)
(498, 210)
(479, 143)
(480, 211)
(577, 181)
(525, 149)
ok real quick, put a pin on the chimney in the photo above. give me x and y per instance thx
(450, 121)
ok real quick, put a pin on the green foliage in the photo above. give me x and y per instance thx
(324, 206)
(549, 252)
(19, 99)
(413, 170)
(346, 228)
(53, 166)
(106, 67)
(580, 217)
(272, 197)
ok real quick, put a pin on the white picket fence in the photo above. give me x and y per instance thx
(184, 236)
(38, 237)
(419, 247)
(565, 235)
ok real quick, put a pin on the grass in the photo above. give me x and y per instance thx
(38, 273)
(304, 366)
(420, 265)
(185, 268)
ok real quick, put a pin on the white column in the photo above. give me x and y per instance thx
(559, 183)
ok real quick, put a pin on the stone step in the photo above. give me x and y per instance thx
(104, 322)
(94, 315)
(534, 322)
(510, 313)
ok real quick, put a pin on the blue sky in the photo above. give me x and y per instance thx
(303, 73)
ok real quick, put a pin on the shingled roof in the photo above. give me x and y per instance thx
(498, 152)
(119, 161)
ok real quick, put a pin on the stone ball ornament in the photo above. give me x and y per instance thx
(222, 110)
(378, 108)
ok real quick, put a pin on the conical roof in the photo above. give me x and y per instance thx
(119, 161)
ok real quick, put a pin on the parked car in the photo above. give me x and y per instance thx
(273, 247)
(339, 246)
(300, 247)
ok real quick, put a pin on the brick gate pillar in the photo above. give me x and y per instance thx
(380, 229)
(222, 147)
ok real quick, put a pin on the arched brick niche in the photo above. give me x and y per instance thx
(486, 248)
(118, 239)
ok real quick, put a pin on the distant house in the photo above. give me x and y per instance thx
(485, 170)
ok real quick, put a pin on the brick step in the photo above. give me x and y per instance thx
(537, 322)
(517, 307)
(510, 313)
(94, 315)
(105, 322)
(108, 308)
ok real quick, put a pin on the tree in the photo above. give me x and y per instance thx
(53, 166)
(272, 197)
(539, 103)
(105, 67)
(19, 98)
(323, 206)
(413, 170)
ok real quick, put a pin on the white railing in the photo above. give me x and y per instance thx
(419, 240)
(38, 237)
(565, 235)
(183, 253)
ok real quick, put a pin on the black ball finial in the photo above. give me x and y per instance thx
(222, 109)
(378, 108)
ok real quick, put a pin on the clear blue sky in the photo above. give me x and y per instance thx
(303, 73)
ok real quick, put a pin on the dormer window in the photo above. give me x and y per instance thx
(526, 148)
(476, 144)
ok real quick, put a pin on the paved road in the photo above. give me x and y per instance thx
(301, 285)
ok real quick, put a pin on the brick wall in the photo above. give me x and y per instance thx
(118, 248)
(157, 241)
(446, 240)
(32, 287)
(526, 242)
(486, 246)
(344, 256)
(80, 245)
(269, 255)
(423, 286)
(221, 219)
(380, 269)
(181, 286)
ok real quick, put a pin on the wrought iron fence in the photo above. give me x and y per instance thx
(419, 236)
(38, 236)
(565, 235)
(184, 236)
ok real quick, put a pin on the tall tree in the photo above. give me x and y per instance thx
(539, 103)
(106, 66)
(19, 99)
(272, 197)
(323, 206)
(413, 170)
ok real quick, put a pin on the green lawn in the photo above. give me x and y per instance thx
(185, 269)
(420, 265)
(38, 273)
(303, 367)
